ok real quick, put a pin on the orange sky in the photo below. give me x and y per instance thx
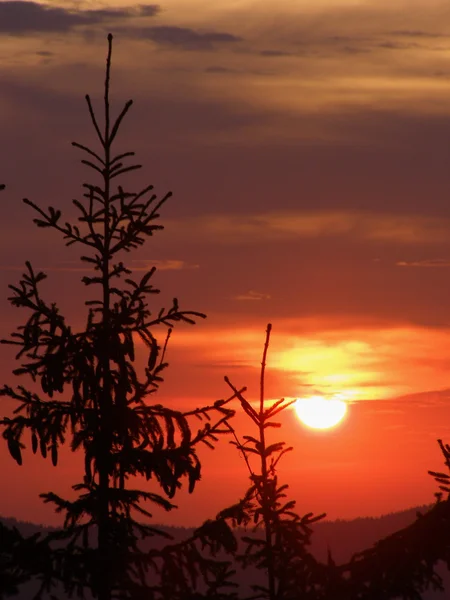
(307, 145)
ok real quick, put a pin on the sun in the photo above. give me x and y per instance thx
(320, 413)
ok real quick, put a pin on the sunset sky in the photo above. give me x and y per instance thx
(307, 144)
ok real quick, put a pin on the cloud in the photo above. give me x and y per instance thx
(354, 50)
(431, 262)
(252, 295)
(219, 69)
(392, 363)
(163, 265)
(224, 365)
(398, 45)
(143, 265)
(183, 37)
(424, 399)
(417, 33)
(46, 269)
(310, 224)
(22, 17)
(274, 53)
(355, 28)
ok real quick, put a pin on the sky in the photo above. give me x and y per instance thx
(307, 146)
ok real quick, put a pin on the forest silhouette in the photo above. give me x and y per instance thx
(92, 398)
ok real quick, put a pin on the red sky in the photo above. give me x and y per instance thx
(307, 145)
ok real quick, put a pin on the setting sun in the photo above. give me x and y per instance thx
(320, 413)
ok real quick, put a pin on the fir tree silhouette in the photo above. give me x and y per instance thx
(92, 396)
(280, 550)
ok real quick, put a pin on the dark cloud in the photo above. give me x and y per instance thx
(21, 17)
(354, 50)
(339, 39)
(141, 10)
(346, 39)
(417, 33)
(218, 69)
(148, 10)
(274, 53)
(183, 37)
(397, 45)
(401, 40)
(343, 43)
(441, 74)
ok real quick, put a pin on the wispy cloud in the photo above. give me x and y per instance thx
(366, 363)
(183, 37)
(65, 268)
(418, 33)
(162, 265)
(274, 53)
(252, 295)
(137, 265)
(431, 263)
(288, 225)
(219, 69)
(391, 45)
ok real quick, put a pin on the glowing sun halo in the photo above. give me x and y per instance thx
(320, 413)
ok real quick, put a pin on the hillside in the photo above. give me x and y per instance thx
(343, 538)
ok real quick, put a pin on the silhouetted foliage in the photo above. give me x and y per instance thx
(404, 565)
(20, 556)
(92, 395)
(345, 538)
(12, 574)
(281, 549)
(21, 559)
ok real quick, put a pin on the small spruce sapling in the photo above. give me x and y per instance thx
(281, 549)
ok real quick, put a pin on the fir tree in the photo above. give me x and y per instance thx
(91, 395)
(279, 543)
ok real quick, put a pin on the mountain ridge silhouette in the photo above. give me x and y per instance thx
(342, 537)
